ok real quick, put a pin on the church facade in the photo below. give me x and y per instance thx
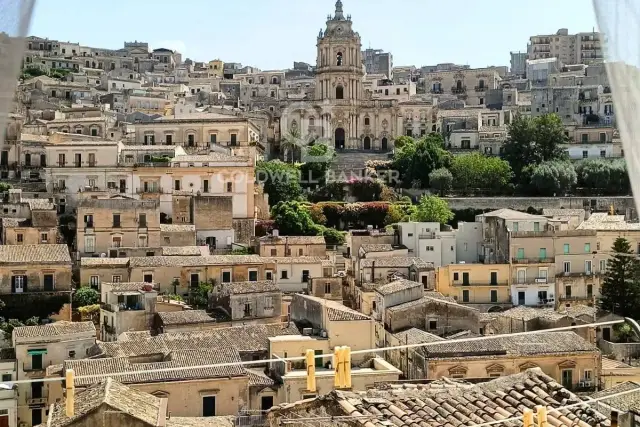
(342, 111)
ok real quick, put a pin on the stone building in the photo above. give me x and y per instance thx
(341, 110)
(247, 301)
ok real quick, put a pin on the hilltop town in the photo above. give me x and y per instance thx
(351, 242)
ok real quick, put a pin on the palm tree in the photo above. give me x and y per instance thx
(291, 141)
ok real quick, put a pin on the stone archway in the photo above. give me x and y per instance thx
(339, 139)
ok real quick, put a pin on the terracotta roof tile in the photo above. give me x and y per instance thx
(184, 317)
(34, 254)
(55, 329)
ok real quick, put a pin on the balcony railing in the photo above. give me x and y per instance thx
(461, 89)
(251, 418)
(150, 190)
(41, 400)
(29, 367)
(533, 260)
(480, 88)
(575, 298)
(532, 281)
(440, 91)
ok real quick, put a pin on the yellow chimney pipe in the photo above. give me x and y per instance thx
(527, 418)
(542, 416)
(346, 367)
(311, 370)
(338, 360)
(69, 379)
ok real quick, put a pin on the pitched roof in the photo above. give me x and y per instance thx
(293, 240)
(177, 228)
(240, 288)
(416, 336)
(246, 338)
(623, 403)
(35, 254)
(184, 317)
(458, 405)
(511, 214)
(382, 247)
(137, 404)
(543, 343)
(55, 329)
(397, 286)
(219, 421)
(336, 312)
(184, 251)
(395, 262)
(194, 261)
(88, 371)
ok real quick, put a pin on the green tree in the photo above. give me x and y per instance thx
(291, 143)
(85, 296)
(4, 187)
(415, 160)
(476, 171)
(624, 332)
(333, 236)
(433, 209)
(293, 219)
(606, 177)
(441, 180)
(620, 291)
(8, 326)
(199, 297)
(318, 159)
(281, 181)
(553, 178)
(399, 212)
(534, 140)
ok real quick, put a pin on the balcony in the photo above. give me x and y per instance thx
(575, 298)
(437, 91)
(59, 189)
(480, 88)
(458, 90)
(532, 281)
(39, 400)
(150, 190)
(533, 260)
(117, 308)
(152, 165)
(428, 236)
(247, 418)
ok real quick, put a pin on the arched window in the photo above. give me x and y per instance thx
(261, 80)
(312, 121)
(274, 80)
(339, 92)
(339, 59)
(481, 84)
(250, 81)
(458, 84)
(366, 121)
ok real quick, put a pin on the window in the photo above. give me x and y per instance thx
(234, 139)
(567, 267)
(89, 244)
(515, 227)
(567, 291)
(566, 248)
(589, 291)
(116, 241)
(536, 226)
(465, 296)
(247, 309)
(6, 377)
(433, 324)
(169, 139)
(520, 253)
(588, 266)
(226, 277)
(327, 288)
(142, 220)
(456, 276)
(494, 277)
(116, 220)
(339, 92)
(147, 277)
(116, 279)
(542, 253)
(94, 282)
(603, 265)
(585, 154)
(494, 295)
(253, 275)
(268, 275)
(205, 185)
(176, 185)
(284, 275)
(465, 279)
(366, 121)
(587, 248)
(229, 187)
(72, 354)
(191, 140)
(19, 238)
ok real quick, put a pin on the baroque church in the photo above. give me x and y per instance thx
(342, 111)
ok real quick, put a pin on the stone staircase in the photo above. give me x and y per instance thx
(353, 162)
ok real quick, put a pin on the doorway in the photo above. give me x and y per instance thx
(48, 282)
(367, 143)
(208, 406)
(340, 139)
(385, 144)
(521, 298)
(36, 416)
(266, 403)
(319, 360)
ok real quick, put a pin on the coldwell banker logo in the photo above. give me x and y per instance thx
(306, 132)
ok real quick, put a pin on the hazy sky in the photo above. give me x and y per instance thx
(272, 34)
